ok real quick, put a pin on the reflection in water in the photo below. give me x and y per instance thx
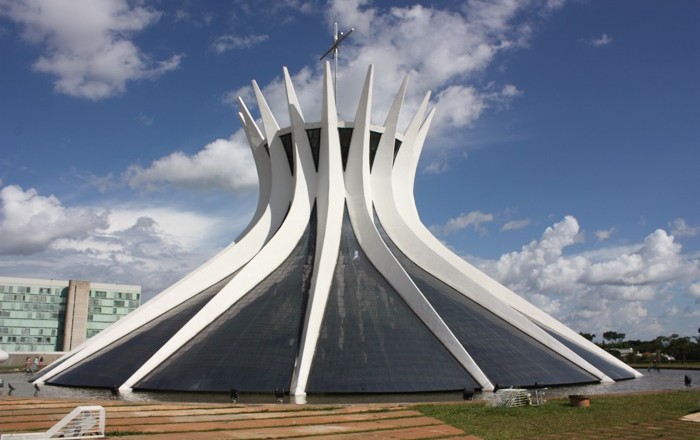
(651, 381)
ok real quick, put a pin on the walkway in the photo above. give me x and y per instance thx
(194, 421)
(199, 421)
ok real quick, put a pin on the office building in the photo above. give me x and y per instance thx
(42, 316)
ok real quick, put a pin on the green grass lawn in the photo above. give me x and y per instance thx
(6, 369)
(556, 416)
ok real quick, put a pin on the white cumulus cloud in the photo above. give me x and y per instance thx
(603, 40)
(527, 269)
(608, 288)
(658, 260)
(680, 228)
(694, 290)
(604, 234)
(515, 225)
(226, 43)
(437, 166)
(87, 44)
(30, 222)
(222, 164)
(151, 246)
(459, 106)
(401, 41)
(473, 219)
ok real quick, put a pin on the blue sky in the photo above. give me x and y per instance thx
(562, 159)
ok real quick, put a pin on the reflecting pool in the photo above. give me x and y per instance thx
(651, 381)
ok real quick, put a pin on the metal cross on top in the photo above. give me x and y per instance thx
(338, 38)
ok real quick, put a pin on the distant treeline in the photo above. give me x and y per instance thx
(661, 348)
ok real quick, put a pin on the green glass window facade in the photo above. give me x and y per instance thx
(33, 311)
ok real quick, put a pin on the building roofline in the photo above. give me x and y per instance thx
(55, 282)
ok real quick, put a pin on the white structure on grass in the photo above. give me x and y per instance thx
(336, 286)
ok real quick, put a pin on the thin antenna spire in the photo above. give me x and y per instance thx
(338, 38)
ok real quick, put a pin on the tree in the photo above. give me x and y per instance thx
(614, 336)
(679, 347)
(662, 341)
(589, 336)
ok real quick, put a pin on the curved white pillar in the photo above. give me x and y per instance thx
(277, 249)
(222, 265)
(425, 256)
(418, 243)
(357, 178)
(329, 208)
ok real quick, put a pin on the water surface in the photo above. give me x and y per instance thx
(651, 381)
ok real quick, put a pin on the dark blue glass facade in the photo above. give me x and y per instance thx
(253, 345)
(614, 372)
(114, 364)
(371, 341)
(504, 353)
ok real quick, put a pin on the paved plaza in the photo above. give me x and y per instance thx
(212, 421)
(156, 421)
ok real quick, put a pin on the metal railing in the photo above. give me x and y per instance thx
(82, 422)
(511, 397)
